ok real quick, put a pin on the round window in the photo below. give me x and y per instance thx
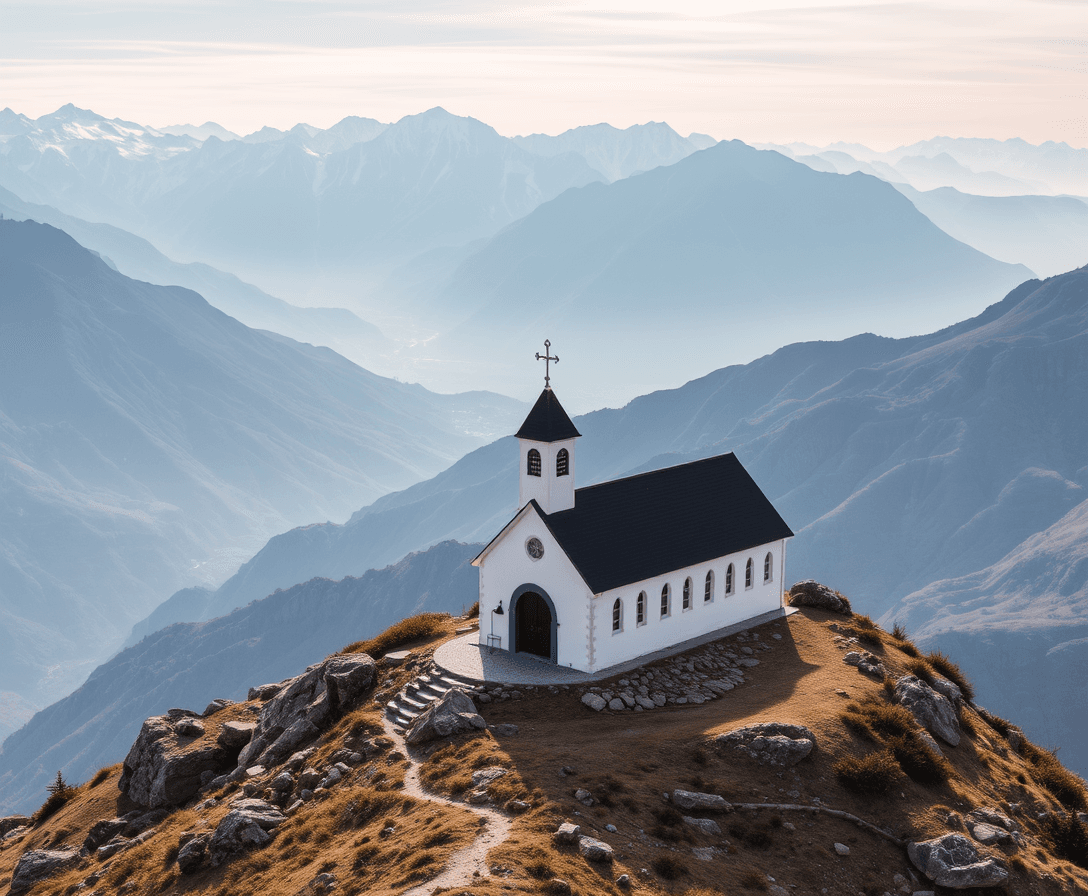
(534, 547)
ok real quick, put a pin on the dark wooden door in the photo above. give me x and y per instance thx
(534, 625)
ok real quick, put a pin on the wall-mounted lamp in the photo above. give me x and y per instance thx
(498, 611)
(493, 641)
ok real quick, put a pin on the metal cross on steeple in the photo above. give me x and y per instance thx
(547, 358)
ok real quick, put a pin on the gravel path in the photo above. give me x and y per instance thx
(466, 864)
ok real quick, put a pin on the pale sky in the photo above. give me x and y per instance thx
(878, 73)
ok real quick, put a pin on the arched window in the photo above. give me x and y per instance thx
(767, 567)
(640, 609)
(665, 601)
(748, 574)
(708, 588)
(562, 463)
(687, 594)
(617, 616)
(534, 462)
(729, 579)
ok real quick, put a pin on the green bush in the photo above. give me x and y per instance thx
(872, 774)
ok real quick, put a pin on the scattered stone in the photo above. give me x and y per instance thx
(505, 730)
(396, 657)
(594, 850)
(624, 881)
(617, 705)
(478, 797)
(703, 853)
(810, 593)
(309, 779)
(246, 825)
(191, 855)
(842, 849)
(567, 833)
(453, 713)
(37, 865)
(255, 771)
(323, 883)
(594, 701)
(265, 691)
(188, 728)
(584, 797)
(102, 832)
(772, 743)
(988, 834)
(212, 708)
(932, 711)
(235, 735)
(953, 861)
(994, 817)
(611, 828)
(559, 887)
(929, 743)
(283, 782)
(706, 825)
(482, 777)
(709, 802)
(517, 807)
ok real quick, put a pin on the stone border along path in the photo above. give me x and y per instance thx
(466, 864)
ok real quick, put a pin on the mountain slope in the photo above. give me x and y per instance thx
(148, 440)
(181, 665)
(728, 253)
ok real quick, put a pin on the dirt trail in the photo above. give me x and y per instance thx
(466, 864)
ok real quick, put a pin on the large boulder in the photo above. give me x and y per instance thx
(454, 713)
(246, 825)
(164, 768)
(706, 802)
(11, 822)
(594, 850)
(40, 864)
(931, 710)
(953, 861)
(770, 743)
(235, 735)
(306, 705)
(103, 831)
(810, 593)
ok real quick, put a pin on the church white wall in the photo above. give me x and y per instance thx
(507, 567)
(723, 610)
(553, 493)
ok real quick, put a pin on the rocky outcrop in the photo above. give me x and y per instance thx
(11, 822)
(770, 743)
(191, 855)
(454, 713)
(235, 735)
(594, 850)
(103, 831)
(245, 826)
(810, 593)
(40, 864)
(305, 705)
(164, 768)
(953, 861)
(931, 710)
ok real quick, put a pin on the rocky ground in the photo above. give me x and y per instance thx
(730, 768)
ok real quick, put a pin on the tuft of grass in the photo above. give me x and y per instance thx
(1068, 837)
(414, 628)
(669, 867)
(876, 719)
(871, 775)
(917, 761)
(909, 649)
(899, 632)
(100, 776)
(751, 879)
(756, 837)
(950, 670)
(474, 611)
(1066, 787)
(669, 826)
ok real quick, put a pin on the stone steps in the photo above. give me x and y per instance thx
(420, 693)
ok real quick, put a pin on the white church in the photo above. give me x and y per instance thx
(591, 577)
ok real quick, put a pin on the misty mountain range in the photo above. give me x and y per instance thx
(150, 441)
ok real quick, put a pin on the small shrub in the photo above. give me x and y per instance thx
(751, 879)
(917, 761)
(669, 867)
(909, 649)
(872, 774)
(919, 668)
(670, 825)
(1000, 725)
(59, 794)
(414, 628)
(899, 632)
(950, 670)
(473, 611)
(540, 870)
(1068, 837)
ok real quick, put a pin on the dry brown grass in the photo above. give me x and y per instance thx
(944, 665)
(402, 634)
(872, 774)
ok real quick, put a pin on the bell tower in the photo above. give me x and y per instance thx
(546, 450)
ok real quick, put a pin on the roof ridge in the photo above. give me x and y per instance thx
(687, 463)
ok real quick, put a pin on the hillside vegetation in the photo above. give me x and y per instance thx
(837, 821)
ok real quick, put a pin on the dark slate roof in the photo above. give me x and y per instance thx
(643, 526)
(547, 421)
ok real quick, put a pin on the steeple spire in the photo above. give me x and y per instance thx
(547, 358)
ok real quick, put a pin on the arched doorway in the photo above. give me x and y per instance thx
(533, 622)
